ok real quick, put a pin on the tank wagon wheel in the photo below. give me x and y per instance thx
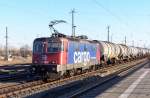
(93, 68)
(103, 65)
(96, 67)
(109, 62)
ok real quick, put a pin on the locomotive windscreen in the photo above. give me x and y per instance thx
(54, 47)
(38, 47)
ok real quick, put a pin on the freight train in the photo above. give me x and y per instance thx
(61, 55)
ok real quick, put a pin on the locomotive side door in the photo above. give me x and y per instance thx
(64, 52)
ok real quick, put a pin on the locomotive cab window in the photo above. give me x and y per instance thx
(55, 47)
(38, 47)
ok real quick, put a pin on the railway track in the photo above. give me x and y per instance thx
(71, 91)
(9, 72)
(29, 88)
(83, 90)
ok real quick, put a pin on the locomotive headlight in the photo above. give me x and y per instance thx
(53, 62)
(35, 61)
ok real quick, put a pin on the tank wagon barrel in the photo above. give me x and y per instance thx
(109, 51)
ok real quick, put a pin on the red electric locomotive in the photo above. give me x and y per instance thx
(60, 54)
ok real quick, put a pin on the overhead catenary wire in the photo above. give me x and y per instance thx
(110, 12)
(119, 19)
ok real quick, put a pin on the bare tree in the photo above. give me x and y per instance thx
(25, 51)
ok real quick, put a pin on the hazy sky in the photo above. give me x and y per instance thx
(28, 19)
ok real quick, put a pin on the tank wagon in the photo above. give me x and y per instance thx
(110, 52)
(65, 55)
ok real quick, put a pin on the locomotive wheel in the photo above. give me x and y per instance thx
(79, 71)
(72, 72)
(45, 76)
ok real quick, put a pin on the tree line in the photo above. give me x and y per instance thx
(24, 51)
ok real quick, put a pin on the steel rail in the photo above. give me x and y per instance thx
(30, 88)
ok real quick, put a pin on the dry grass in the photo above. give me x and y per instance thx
(16, 60)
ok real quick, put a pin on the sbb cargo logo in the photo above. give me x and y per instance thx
(80, 57)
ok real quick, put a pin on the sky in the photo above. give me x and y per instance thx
(29, 19)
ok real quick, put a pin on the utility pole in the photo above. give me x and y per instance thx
(73, 26)
(125, 40)
(111, 37)
(6, 50)
(108, 31)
